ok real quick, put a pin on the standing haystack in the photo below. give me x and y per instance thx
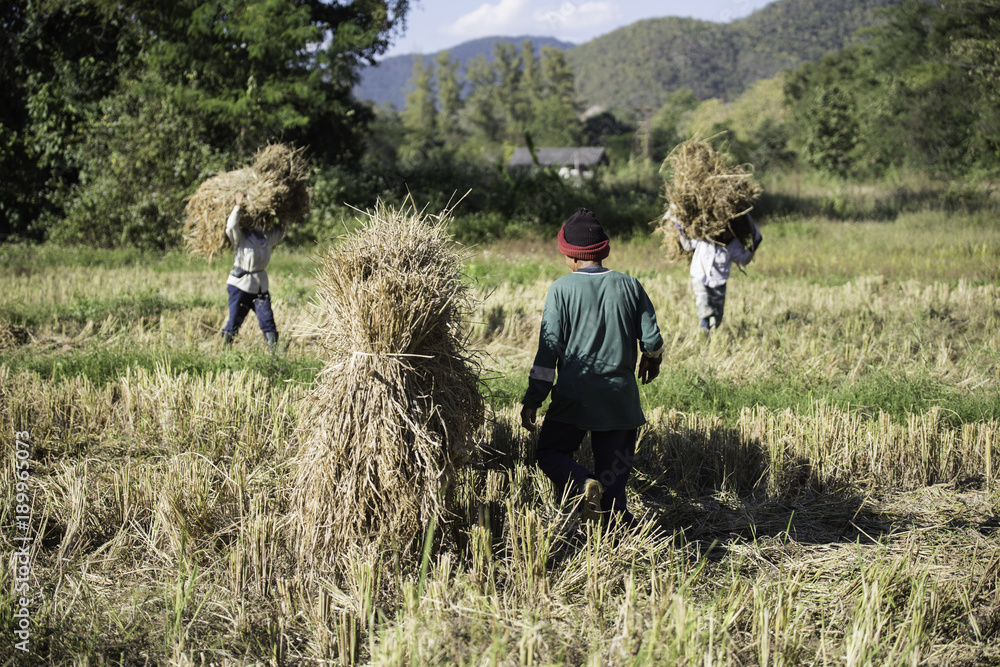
(276, 194)
(394, 411)
(708, 194)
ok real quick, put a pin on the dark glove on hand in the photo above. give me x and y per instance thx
(649, 368)
(528, 417)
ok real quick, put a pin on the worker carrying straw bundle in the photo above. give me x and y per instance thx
(247, 284)
(276, 195)
(394, 410)
(265, 198)
(707, 219)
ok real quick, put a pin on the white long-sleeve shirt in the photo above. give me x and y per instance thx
(253, 252)
(712, 262)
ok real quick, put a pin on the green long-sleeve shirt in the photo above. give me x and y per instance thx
(592, 321)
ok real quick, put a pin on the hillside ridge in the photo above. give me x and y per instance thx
(637, 66)
(387, 82)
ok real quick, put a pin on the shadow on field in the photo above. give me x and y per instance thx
(710, 486)
(716, 487)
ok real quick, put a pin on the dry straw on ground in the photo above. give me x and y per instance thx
(12, 336)
(707, 193)
(394, 411)
(276, 194)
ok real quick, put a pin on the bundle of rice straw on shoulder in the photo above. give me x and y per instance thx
(708, 195)
(394, 411)
(275, 191)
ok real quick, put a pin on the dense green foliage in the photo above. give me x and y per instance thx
(917, 96)
(113, 111)
(495, 202)
(921, 95)
(55, 65)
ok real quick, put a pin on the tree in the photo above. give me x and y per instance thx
(258, 69)
(509, 92)
(556, 117)
(56, 61)
(228, 75)
(664, 126)
(531, 82)
(913, 97)
(482, 111)
(138, 160)
(449, 95)
(557, 76)
(833, 134)
(420, 115)
(555, 124)
(976, 50)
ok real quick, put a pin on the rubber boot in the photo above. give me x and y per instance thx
(272, 340)
(592, 492)
(227, 338)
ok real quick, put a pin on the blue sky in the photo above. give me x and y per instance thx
(433, 25)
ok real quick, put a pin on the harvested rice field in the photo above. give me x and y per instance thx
(819, 481)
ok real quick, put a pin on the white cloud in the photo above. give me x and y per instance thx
(559, 18)
(571, 17)
(491, 19)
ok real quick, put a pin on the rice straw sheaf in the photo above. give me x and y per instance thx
(707, 193)
(12, 336)
(671, 244)
(276, 193)
(395, 410)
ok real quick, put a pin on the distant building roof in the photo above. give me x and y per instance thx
(569, 157)
(594, 110)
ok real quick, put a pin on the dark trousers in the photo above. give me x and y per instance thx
(241, 303)
(613, 454)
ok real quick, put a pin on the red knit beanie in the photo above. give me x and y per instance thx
(582, 237)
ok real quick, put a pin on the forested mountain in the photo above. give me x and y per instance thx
(639, 65)
(387, 81)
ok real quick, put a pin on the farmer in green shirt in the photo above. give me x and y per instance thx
(594, 323)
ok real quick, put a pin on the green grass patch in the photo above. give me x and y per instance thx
(688, 390)
(139, 305)
(692, 391)
(920, 246)
(501, 272)
(27, 258)
(101, 366)
(145, 305)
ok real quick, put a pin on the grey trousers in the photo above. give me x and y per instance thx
(710, 302)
